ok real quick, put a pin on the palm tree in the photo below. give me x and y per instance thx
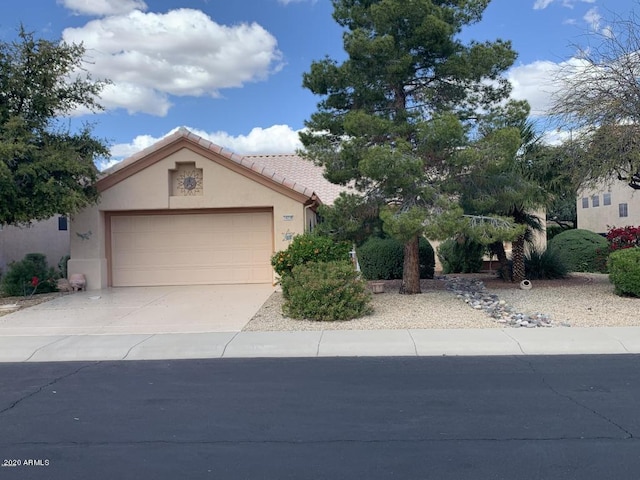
(503, 183)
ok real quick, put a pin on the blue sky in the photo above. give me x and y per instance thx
(232, 70)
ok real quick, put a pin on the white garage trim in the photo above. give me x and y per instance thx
(192, 247)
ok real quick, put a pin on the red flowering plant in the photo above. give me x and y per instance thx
(623, 237)
(35, 281)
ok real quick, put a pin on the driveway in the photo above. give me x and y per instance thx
(144, 310)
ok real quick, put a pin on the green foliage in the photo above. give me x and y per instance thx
(309, 247)
(491, 229)
(624, 271)
(351, 218)
(544, 265)
(465, 257)
(325, 291)
(29, 275)
(554, 230)
(383, 258)
(395, 113)
(44, 167)
(581, 250)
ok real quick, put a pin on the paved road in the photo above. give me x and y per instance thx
(569, 417)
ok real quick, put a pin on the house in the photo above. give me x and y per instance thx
(50, 237)
(614, 204)
(186, 211)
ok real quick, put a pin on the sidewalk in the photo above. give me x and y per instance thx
(328, 343)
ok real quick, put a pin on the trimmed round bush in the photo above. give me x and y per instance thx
(624, 271)
(29, 275)
(326, 291)
(309, 248)
(463, 257)
(581, 250)
(383, 259)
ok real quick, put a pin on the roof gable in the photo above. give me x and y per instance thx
(183, 138)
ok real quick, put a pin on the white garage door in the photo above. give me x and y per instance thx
(191, 249)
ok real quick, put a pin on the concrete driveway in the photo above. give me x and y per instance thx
(141, 310)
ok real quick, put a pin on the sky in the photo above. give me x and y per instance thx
(231, 70)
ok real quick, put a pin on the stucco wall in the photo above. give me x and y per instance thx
(600, 218)
(150, 189)
(41, 237)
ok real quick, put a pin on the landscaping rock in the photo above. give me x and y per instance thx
(473, 293)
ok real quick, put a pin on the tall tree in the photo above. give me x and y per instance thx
(395, 113)
(45, 168)
(599, 103)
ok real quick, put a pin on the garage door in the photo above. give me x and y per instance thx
(190, 249)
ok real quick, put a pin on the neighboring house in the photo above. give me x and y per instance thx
(185, 211)
(615, 204)
(50, 237)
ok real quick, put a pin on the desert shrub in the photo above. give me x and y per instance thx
(465, 257)
(325, 291)
(29, 275)
(581, 250)
(383, 259)
(544, 265)
(309, 248)
(624, 271)
(624, 237)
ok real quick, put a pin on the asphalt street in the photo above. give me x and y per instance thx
(507, 417)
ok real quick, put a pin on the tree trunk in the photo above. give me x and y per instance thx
(497, 248)
(411, 268)
(517, 255)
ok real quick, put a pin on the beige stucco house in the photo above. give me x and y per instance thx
(614, 204)
(49, 237)
(186, 211)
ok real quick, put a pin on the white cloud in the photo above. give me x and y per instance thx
(593, 18)
(183, 52)
(103, 7)
(534, 82)
(542, 4)
(135, 98)
(274, 139)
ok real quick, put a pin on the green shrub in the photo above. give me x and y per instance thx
(29, 275)
(624, 271)
(554, 230)
(463, 257)
(383, 259)
(544, 265)
(309, 248)
(581, 250)
(325, 291)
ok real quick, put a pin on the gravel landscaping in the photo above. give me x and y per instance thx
(581, 300)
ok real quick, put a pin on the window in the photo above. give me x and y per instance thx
(595, 201)
(62, 223)
(585, 202)
(622, 209)
(606, 199)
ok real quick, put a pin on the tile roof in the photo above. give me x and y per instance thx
(296, 168)
(289, 170)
